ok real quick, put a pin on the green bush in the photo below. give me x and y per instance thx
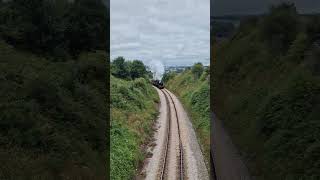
(167, 76)
(269, 99)
(133, 111)
(123, 69)
(280, 27)
(55, 28)
(193, 90)
(197, 70)
(52, 111)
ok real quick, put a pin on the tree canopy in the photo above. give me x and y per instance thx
(128, 69)
(58, 27)
(197, 69)
(53, 74)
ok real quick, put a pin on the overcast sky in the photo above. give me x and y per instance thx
(225, 7)
(175, 32)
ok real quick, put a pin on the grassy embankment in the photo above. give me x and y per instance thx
(53, 95)
(133, 111)
(193, 91)
(267, 92)
(53, 116)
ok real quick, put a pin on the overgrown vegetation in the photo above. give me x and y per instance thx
(266, 89)
(192, 88)
(53, 89)
(54, 27)
(53, 116)
(128, 70)
(133, 111)
(222, 29)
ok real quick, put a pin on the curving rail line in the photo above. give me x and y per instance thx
(167, 143)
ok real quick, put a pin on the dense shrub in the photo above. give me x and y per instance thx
(268, 96)
(53, 116)
(167, 76)
(57, 28)
(133, 111)
(128, 69)
(53, 89)
(280, 27)
(193, 90)
(197, 70)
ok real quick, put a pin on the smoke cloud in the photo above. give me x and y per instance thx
(157, 68)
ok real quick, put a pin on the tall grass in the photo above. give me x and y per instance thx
(133, 111)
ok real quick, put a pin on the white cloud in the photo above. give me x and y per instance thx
(175, 32)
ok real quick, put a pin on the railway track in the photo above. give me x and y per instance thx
(173, 132)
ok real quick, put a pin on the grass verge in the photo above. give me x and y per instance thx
(133, 111)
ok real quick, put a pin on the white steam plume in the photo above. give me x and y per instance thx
(157, 68)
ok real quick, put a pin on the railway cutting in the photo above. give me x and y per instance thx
(176, 154)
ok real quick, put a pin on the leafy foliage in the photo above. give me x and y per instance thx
(197, 70)
(137, 69)
(132, 113)
(193, 90)
(53, 89)
(167, 76)
(128, 69)
(119, 68)
(58, 27)
(268, 96)
(280, 27)
(222, 29)
(53, 116)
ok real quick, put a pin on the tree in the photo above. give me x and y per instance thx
(197, 69)
(137, 69)
(167, 76)
(280, 27)
(34, 25)
(87, 26)
(55, 27)
(119, 68)
(313, 27)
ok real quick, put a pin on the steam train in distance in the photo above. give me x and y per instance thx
(159, 84)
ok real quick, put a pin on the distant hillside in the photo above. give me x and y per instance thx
(266, 89)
